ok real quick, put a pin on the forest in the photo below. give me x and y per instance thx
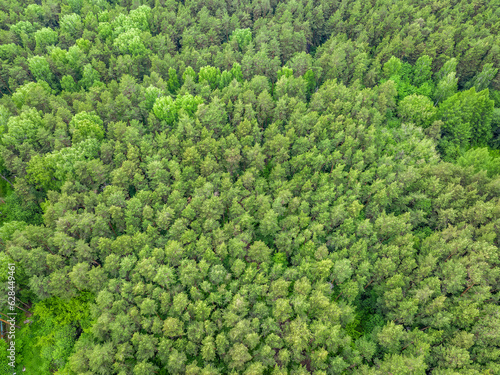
(253, 187)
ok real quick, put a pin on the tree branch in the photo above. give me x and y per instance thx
(465, 291)
(10, 323)
(5, 178)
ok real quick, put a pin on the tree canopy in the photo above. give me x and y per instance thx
(294, 187)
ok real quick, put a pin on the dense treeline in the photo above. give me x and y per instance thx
(252, 187)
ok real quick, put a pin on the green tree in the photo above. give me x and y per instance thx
(130, 41)
(468, 126)
(445, 88)
(417, 109)
(45, 37)
(210, 75)
(173, 81)
(40, 69)
(164, 109)
(480, 159)
(89, 77)
(86, 125)
(243, 37)
(483, 79)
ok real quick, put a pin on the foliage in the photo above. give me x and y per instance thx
(243, 37)
(257, 187)
(47, 341)
(467, 121)
(480, 159)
